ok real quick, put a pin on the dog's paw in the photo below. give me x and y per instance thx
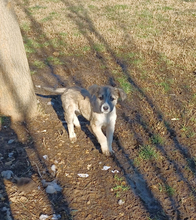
(78, 126)
(108, 153)
(73, 139)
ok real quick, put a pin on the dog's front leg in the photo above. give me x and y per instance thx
(101, 139)
(109, 134)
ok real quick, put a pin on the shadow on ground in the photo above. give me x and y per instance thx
(25, 186)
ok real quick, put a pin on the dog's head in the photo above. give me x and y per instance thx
(104, 98)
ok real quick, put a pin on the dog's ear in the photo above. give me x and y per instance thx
(94, 89)
(122, 94)
(85, 93)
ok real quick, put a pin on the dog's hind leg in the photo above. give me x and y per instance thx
(69, 118)
(72, 134)
(76, 121)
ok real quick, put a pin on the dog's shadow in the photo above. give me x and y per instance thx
(56, 103)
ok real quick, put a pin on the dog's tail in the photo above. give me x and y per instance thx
(57, 90)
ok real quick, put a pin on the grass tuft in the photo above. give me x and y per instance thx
(39, 64)
(125, 85)
(167, 189)
(54, 60)
(147, 152)
(121, 186)
(156, 139)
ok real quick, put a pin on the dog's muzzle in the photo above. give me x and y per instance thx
(105, 108)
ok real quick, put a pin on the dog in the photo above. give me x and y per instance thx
(97, 105)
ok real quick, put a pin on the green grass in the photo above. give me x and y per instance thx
(156, 139)
(99, 47)
(147, 152)
(93, 8)
(25, 27)
(166, 8)
(4, 120)
(56, 42)
(86, 48)
(121, 186)
(188, 132)
(116, 8)
(165, 188)
(76, 9)
(54, 60)
(39, 64)
(63, 34)
(117, 11)
(37, 7)
(138, 62)
(31, 45)
(1, 120)
(29, 49)
(165, 86)
(126, 86)
(130, 55)
(55, 1)
(118, 178)
(48, 18)
(33, 72)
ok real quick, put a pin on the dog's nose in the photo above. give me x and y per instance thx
(105, 108)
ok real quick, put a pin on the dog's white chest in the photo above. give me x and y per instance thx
(104, 119)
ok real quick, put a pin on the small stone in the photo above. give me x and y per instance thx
(89, 166)
(9, 163)
(56, 54)
(53, 168)
(121, 202)
(10, 141)
(50, 189)
(11, 154)
(7, 174)
(45, 157)
(83, 175)
(50, 103)
(106, 167)
(43, 217)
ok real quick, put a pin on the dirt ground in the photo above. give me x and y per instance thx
(150, 176)
(134, 190)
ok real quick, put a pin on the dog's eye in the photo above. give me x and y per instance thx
(111, 98)
(101, 97)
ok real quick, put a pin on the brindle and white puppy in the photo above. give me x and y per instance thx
(97, 104)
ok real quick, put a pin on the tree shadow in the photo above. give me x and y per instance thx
(4, 202)
(138, 184)
(15, 148)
